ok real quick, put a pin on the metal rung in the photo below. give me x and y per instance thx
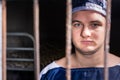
(20, 34)
(26, 49)
(20, 69)
(19, 59)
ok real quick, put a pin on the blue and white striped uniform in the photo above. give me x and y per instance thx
(56, 72)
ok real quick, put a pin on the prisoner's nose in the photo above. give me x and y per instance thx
(85, 32)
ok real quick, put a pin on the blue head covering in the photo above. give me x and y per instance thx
(95, 5)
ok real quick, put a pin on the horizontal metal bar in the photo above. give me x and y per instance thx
(21, 34)
(21, 48)
(20, 59)
(20, 69)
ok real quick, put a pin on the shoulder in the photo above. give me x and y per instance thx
(61, 62)
(114, 60)
(114, 57)
(49, 67)
(53, 71)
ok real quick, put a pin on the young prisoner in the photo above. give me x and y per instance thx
(88, 36)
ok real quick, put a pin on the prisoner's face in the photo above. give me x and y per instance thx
(88, 31)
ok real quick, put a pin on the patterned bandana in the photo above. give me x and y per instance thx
(95, 5)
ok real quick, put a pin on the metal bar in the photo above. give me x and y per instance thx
(20, 59)
(107, 39)
(20, 69)
(36, 34)
(68, 37)
(21, 48)
(1, 40)
(4, 21)
(20, 34)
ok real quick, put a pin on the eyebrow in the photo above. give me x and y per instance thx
(75, 21)
(95, 21)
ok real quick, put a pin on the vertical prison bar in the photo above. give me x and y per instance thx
(107, 39)
(4, 21)
(1, 40)
(36, 35)
(68, 37)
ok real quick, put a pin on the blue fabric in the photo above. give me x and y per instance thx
(82, 74)
(95, 5)
(76, 3)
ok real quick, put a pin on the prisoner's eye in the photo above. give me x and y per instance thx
(95, 25)
(76, 24)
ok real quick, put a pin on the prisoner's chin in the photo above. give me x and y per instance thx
(88, 52)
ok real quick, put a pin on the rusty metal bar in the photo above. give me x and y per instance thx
(68, 37)
(107, 39)
(36, 34)
(4, 21)
(1, 40)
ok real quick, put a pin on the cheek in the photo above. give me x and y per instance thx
(99, 35)
(75, 34)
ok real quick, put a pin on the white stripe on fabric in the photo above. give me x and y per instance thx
(48, 67)
(118, 64)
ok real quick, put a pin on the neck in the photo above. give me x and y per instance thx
(94, 60)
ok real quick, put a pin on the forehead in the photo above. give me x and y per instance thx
(88, 15)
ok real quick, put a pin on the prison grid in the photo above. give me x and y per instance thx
(36, 34)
